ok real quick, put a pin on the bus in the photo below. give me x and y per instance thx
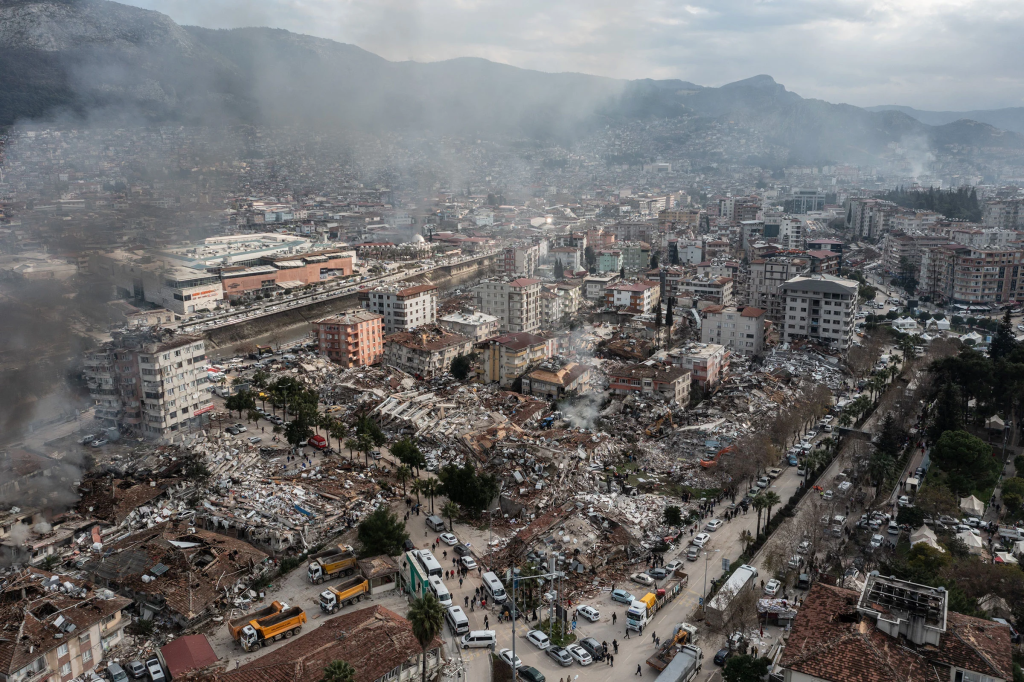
(430, 565)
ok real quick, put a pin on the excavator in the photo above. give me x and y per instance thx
(711, 461)
(653, 429)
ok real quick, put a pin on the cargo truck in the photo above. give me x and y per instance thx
(235, 626)
(271, 628)
(335, 597)
(642, 610)
(682, 634)
(330, 563)
(685, 665)
(723, 604)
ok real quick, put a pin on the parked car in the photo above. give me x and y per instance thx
(593, 647)
(713, 525)
(827, 495)
(673, 565)
(804, 547)
(448, 539)
(692, 553)
(722, 656)
(764, 482)
(462, 550)
(136, 669)
(255, 439)
(241, 428)
(622, 596)
(657, 573)
(642, 579)
(559, 655)
(99, 442)
(538, 639)
(589, 612)
(531, 674)
(579, 654)
(772, 587)
(795, 561)
(701, 539)
(876, 541)
(512, 661)
(155, 670)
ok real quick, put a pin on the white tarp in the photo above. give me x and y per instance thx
(972, 506)
(926, 535)
(972, 541)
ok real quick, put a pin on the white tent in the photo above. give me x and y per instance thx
(972, 506)
(995, 423)
(927, 536)
(972, 541)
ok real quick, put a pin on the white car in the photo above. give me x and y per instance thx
(469, 562)
(580, 654)
(876, 541)
(827, 495)
(506, 655)
(589, 612)
(804, 547)
(772, 587)
(904, 501)
(538, 639)
(642, 579)
(713, 525)
(448, 539)
(701, 539)
(671, 566)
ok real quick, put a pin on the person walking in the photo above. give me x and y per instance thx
(639, 671)
(627, 632)
(615, 645)
(612, 659)
(614, 618)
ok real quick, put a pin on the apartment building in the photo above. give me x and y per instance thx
(61, 627)
(898, 245)
(824, 262)
(154, 383)
(354, 338)
(740, 330)
(706, 362)
(1004, 213)
(521, 261)
(476, 326)
(639, 296)
(570, 292)
(636, 256)
(516, 304)
(820, 308)
(402, 309)
(425, 352)
(765, 279)
(594, 285)
(609, 260)
(556, 380)
(670, 382)
(568, 256)
(509, 356)
(551, 311)
(969, 276)
(870, 218)
(717, 290)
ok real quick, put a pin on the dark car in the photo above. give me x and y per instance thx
(657, 573)
(560, 655)
(408, 545)
(461, 550)
(530, 674)
(722, 656)
(593, 647)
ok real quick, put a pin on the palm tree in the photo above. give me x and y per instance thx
(431, 489)
(418, 487)
(746, 538)
(771, 499)
(338, 430)
(759, 505)
(450, 509)
(339, 671)
(427, 617)
(403, 474)
(254, 416)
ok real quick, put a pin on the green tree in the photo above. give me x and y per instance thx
(668, 313)
(461, 366)
(559, 270)
(746, 538)
(417, 487)
(450, 510)
(240, 402)
(759, 503)
(403, 475)
(1003, 341)
(744, 668)
(948, 412)
(911, 516)
(296, 431)
(673, 516)
(431, 489)
(408, 453)
(338, 431)
(967, 461)
(880, 466)
(890, 436)
(471, 490)
(426, 615)
(339, 671)
(382, 532)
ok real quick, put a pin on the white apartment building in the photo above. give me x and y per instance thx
(403, 309)
(741, 331)
(476, 326)
(152, 382)
(766, 277)
(821, 308)
(516, 304)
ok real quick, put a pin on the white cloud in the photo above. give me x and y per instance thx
(948, 54)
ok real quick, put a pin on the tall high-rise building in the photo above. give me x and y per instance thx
(354, 338)
(821, 308)
(516, 304)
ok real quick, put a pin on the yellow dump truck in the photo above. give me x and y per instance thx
(235, 626)
(329, 563)
(335, 597)
(271, 628)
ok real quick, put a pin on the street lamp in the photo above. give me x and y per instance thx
(704, 599)
(515, 610)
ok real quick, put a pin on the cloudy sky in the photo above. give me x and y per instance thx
(932, 54)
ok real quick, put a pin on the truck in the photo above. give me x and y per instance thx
(262, 631)
(235, 626)
(642, 610)
(682, 634)
(330, 562)
(722, 605)
(684, 666)
(335, 597)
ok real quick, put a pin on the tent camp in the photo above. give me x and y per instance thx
(972, 541)
(927, 536)
(972, 506)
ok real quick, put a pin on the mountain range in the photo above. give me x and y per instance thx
(104, 61)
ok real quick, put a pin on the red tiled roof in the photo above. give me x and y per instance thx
(751, 311)
(185, 654)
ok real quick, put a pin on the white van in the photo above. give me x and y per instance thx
(494, 589)
(478, 639)
(457, 621)
(436, 524)
(440, 591)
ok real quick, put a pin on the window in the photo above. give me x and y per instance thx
(87, 655)
(62, 650)
(65, 669)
